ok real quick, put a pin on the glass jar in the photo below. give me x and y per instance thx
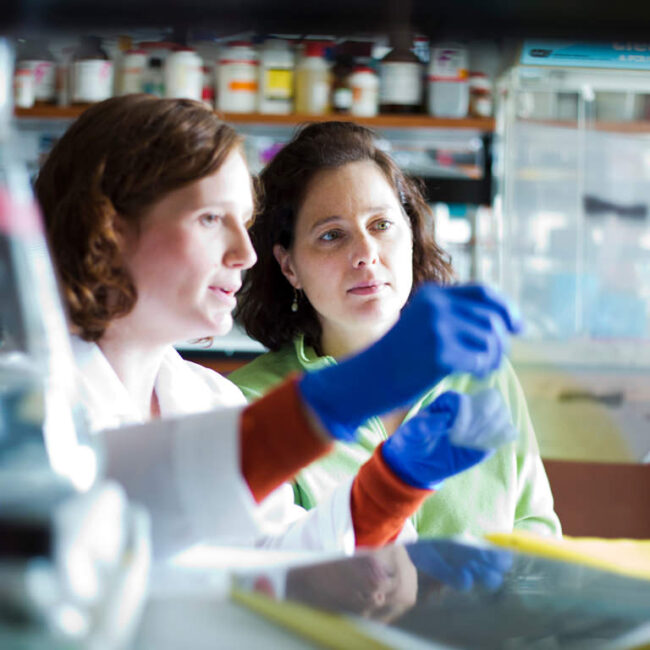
(400, 77)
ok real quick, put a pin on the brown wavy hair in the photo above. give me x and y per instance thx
(264, 302)
(119, 157)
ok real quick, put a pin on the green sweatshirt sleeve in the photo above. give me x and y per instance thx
(263, 373)
(534, 511)
(508, 491)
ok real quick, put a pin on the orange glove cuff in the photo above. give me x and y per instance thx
(277, 440)
(381, 502)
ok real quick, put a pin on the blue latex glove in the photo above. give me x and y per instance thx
(440, 331)
(461, 566)
(452, 434)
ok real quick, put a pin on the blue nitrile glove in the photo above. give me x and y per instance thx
(452, 434)
(441, 330)
(461, 566)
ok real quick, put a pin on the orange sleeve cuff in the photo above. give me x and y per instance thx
(277, 440)
(381, 502)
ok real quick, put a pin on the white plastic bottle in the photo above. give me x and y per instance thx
(184, 74)
(276, 77)
(365, 91)
(448, 86)
(134, 65)
(92, 72)
(36, 55)
(23, 85)
(237, 76)
(313, 80)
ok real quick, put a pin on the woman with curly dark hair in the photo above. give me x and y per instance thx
(343, 241)
(146, 203)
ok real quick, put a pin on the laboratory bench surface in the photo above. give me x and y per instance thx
(209, 623)
(435, 594)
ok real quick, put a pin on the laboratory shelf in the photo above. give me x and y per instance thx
(451, 156)
(485, 125)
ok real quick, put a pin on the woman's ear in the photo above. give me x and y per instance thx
(119, 228)
(283, 258)
(124, 232)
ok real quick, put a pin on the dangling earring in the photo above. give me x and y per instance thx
(294, 304)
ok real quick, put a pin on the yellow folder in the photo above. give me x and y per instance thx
(329, 630)
(627, 556)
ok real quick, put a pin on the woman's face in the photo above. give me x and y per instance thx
(352, 252)
(188, 254)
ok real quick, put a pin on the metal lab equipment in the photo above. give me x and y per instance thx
(573, 225)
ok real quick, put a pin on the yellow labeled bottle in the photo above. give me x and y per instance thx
(313, 80)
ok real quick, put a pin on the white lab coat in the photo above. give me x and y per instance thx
(185, 470)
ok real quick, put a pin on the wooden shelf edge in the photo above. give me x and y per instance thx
(47, 112)
(638, 126)
(380, 121)
(484, 124)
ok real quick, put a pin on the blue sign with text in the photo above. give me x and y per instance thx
(618, 54)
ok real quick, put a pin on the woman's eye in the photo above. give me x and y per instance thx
(384, 224)
(209, 219)
(330, 235)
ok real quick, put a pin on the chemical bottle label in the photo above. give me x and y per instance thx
(401, 83)
(242, 86)
(278, 83)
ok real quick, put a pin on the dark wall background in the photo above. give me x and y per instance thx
(576, 19)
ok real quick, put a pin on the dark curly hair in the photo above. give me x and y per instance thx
(263, 304)
(119, 157)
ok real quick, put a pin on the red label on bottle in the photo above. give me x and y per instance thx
(238, 61)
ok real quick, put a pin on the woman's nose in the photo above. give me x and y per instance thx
(364, 251)
(240, 252)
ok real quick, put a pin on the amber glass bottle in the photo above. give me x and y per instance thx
(400, 78)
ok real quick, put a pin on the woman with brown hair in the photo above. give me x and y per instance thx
(343, 241)
(146, 203)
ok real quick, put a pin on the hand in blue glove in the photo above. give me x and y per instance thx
(451, 435)
(461, 566)
(440, 331)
